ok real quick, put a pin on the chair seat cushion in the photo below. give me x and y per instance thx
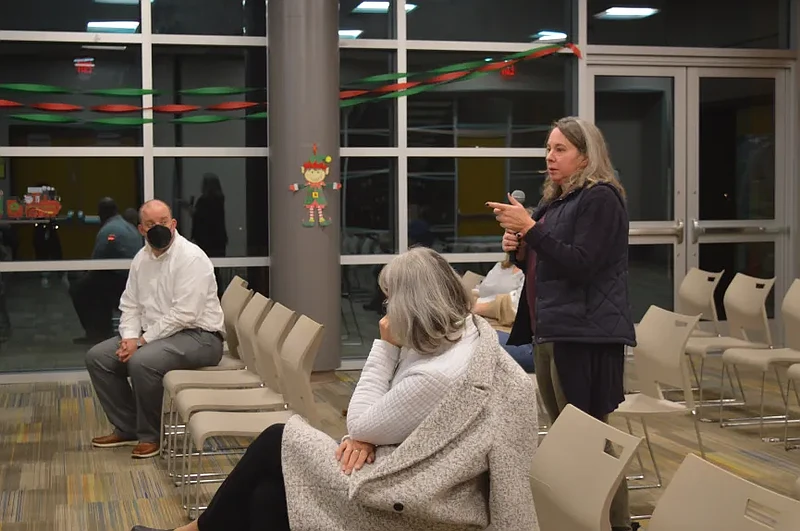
(190, 401)
(762, 359)
(701, 346)
(175, 381)
(207, 424)
(637, 404)
(227, 363)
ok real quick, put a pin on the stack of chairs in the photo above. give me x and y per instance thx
(271, 351)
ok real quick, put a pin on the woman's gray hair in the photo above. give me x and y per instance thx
(589, 141)
(427, 302)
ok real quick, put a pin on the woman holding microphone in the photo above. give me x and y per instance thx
(574, 305)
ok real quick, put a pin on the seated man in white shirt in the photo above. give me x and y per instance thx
(171, 319)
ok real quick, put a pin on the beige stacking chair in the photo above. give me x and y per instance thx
(746, 313)
(576, 449)
(264, 338)
(696, 297)
(660, 361)
(765, 361)
(471, 280)
(793, 385)
(297, 354)
(233, 302)
(705, 497)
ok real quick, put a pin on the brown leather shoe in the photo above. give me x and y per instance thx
(144, 450)
(112, 441)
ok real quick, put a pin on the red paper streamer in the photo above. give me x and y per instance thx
(116, 108)
(575, 50)
(175, 108)
(7, 104)
(231, 106)
(56, 107)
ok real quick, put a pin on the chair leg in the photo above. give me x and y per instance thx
(697, 432)
(638, 455)
(652, 453)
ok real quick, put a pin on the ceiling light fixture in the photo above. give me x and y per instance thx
(120, 2)
(349, 34)
(113, 26)
(103, 47)
(549, 36)
(379, 7)
(626, 13)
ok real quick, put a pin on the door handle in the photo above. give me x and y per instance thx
(697, 230)
(676, 231)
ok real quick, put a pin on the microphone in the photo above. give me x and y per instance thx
(519, 195)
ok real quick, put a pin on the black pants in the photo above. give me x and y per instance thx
(94, 296)
(252, 498)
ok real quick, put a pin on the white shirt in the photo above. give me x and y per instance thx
(399, 388)
(169, 293)
(500, 281)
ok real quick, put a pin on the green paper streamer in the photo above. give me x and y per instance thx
(122, 121)
(257, 116)
(33, 87)
(382, 78)
(45, 118)
(201, 119)
(123, 92)
(217, 91)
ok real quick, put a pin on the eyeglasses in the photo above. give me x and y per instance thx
(385, 303)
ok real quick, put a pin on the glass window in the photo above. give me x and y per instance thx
(498, 21)
(362, 308)
(101, 16)
(447, 196)
(750, 24)
(374, 123)
(359, 19)
(737, 148)
(651, 278)
(40, 329)
(179, 70)
(756, 259)
(201, 189)
(217, 17)
(514, 109)
(50, 207)
(65, 114)
(369, 205)
(636, 116)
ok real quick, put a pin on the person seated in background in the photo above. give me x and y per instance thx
(497, 299)
(96, 293)
(171, 319)
(442, 428)
(131, 215)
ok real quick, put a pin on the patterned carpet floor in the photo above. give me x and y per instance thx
(51, 479)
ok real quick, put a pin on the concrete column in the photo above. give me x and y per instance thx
(305, 274)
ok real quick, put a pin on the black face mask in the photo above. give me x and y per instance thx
(159, 237)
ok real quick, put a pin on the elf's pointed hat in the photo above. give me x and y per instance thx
(317, 162)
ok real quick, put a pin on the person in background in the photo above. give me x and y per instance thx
(442, 427)
(497, 299)
(131, 215)
(171, 319)
(96, 293)
(208, 220)
(574, 251)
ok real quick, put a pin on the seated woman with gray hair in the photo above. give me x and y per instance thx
(442, 428)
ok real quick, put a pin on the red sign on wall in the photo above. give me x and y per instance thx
(509, 71)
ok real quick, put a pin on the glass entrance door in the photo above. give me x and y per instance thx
(701, 153)
(737, 124)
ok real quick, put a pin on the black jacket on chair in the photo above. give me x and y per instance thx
(581, 271)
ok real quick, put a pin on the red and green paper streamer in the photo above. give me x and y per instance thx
(372, 88)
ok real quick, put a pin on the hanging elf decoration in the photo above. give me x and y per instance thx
(315, 170)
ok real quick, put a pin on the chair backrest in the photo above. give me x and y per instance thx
(269, 340)
(703, 496)
(696, 295)
(746, 307)
(233, 301)
(471, 280)
(576, 448)
(298, 354)
(660, 353)
(790, 310)
(247, 326)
